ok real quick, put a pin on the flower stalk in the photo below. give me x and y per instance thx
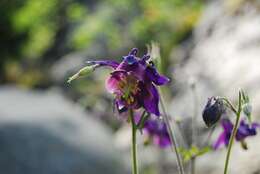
(174, 145)
(193, 129)
(234, 131)
(134, 152)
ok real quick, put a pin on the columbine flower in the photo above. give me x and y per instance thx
(157, 132)
(213, 111)
(133, 82)
(244, 130)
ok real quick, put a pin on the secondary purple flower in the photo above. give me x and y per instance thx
(133, 82)
(244, 130)
(157, 131)
(213, 111)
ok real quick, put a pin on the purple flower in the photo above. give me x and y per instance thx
(157, 131)
(133, 82)
(244, 130)
(213, 111)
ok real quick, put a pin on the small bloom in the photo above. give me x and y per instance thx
(244, 130)
(213, 111)
(157, 131)
(133, 82)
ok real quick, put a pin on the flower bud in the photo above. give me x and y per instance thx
(213, 111)
(82, 72)
(244, 145)
(247, 109)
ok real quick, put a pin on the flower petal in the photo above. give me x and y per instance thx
(133, 51)
(130, 59)
(137, 69)
(255, 125)
(162, 141)
(157, 130)
(146, 57)
(120, 106)
(155, 77)
(150, 98)
(110, 63)
(227, 125)
(244, 131)
(220, 141)
(113, 81)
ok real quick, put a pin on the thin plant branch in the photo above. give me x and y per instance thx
(174, 145)
(234, 132)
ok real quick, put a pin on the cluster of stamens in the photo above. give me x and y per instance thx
(129, 88)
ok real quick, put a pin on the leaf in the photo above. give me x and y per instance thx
(194, 151)
(204, 151)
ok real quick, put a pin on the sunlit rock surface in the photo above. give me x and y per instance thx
(224, 56)
(42, 132)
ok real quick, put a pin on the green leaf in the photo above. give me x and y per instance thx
(194, 151)
(204, 150)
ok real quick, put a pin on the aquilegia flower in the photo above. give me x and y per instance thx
(213, 111)
(244, 130)
(157, 132)
(133, 82)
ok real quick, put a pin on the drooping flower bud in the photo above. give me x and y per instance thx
(213, 110)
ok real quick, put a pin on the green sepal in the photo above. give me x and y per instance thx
(142, 120)
(247, 110)
(246, 106)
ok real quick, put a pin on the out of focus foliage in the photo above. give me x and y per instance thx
(36, 33)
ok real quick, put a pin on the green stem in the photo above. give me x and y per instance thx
(134, 156)
(174, 145)
(234, 132)
(193, 162)
(193, 128)
(229, 104)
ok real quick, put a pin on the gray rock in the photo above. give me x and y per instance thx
(43, 133)
(225, 58)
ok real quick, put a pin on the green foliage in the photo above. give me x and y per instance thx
(35, 19)
(33, 13)
(96, 26)
(76, 12)
(43, 30)
(166, 22)
(194, 151)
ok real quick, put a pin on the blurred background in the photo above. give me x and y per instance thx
(47, 126)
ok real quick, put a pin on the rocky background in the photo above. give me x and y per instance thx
(222, 58)
(209, 48)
